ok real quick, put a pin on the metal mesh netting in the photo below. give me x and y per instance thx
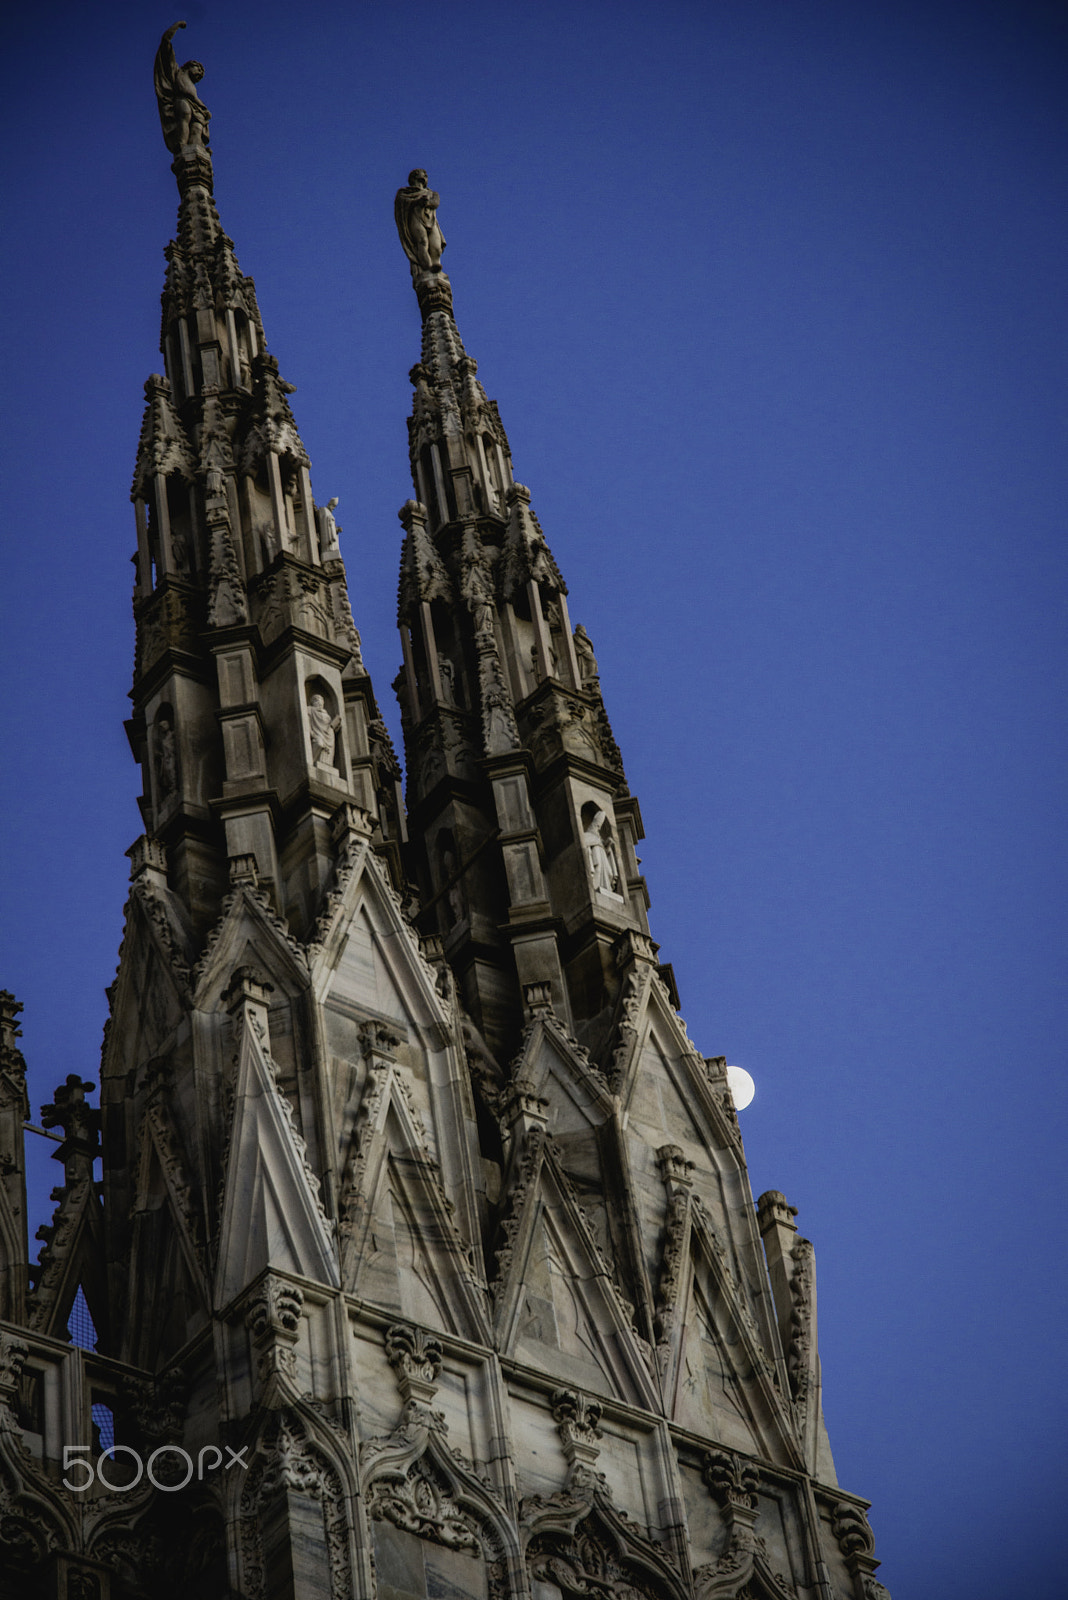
(103, 1425)
(80, 1324)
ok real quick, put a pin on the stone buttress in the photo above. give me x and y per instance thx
(423, 1261)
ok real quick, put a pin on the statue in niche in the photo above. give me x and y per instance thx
(447, 673)
(183, 114)
(323, 728)
(501, 728)
(600, 851)
(587, 661)
(415, 209)
(554, 662)
(166, 758)
(329, 548)
(452, 894)
(180, 552)
(484, 618)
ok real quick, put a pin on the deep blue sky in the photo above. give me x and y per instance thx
(771, 298)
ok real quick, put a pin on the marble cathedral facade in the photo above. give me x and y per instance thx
(424, 1260)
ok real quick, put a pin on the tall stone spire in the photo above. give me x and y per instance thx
(525, 827)
(254, 718)
(424, 1258)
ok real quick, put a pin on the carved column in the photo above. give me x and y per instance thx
(775, 1218)
(792, 1269)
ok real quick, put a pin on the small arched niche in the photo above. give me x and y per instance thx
(324, 727)
(451, 904)
(165, 768)
(601, 852)
(450, 656)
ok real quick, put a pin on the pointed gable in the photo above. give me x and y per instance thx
(271, 1212)
(556, 1304)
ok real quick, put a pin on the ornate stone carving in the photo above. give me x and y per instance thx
(850, 1527)
(416, 1358)
(13, 1353)
(182, 113)
(289, 1462)
(155, 908)
(158, 1405)
(353, 1200)
(576, 1419)
(670, 1284)
(420, 1503)
(578, 1541)
(158, 1131)
(164, 622)
(798, 1358)
(165, 758)
(538, 999)
(415, 209)
(857, 1544)
(413, 1479)
(601, 859)
(587, 661)
(733, 1483)
(379, 1039)
(273, 1319)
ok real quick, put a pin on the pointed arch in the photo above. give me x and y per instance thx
(580, 1544)
(413, 1480)
(300, 1473)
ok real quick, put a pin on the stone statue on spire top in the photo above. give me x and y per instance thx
(183, 114)
(415, 209)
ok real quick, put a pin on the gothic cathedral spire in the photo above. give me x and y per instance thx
(254, 716)
(424, 1260)
(524, 827)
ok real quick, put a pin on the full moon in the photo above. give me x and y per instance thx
(741, 1086)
